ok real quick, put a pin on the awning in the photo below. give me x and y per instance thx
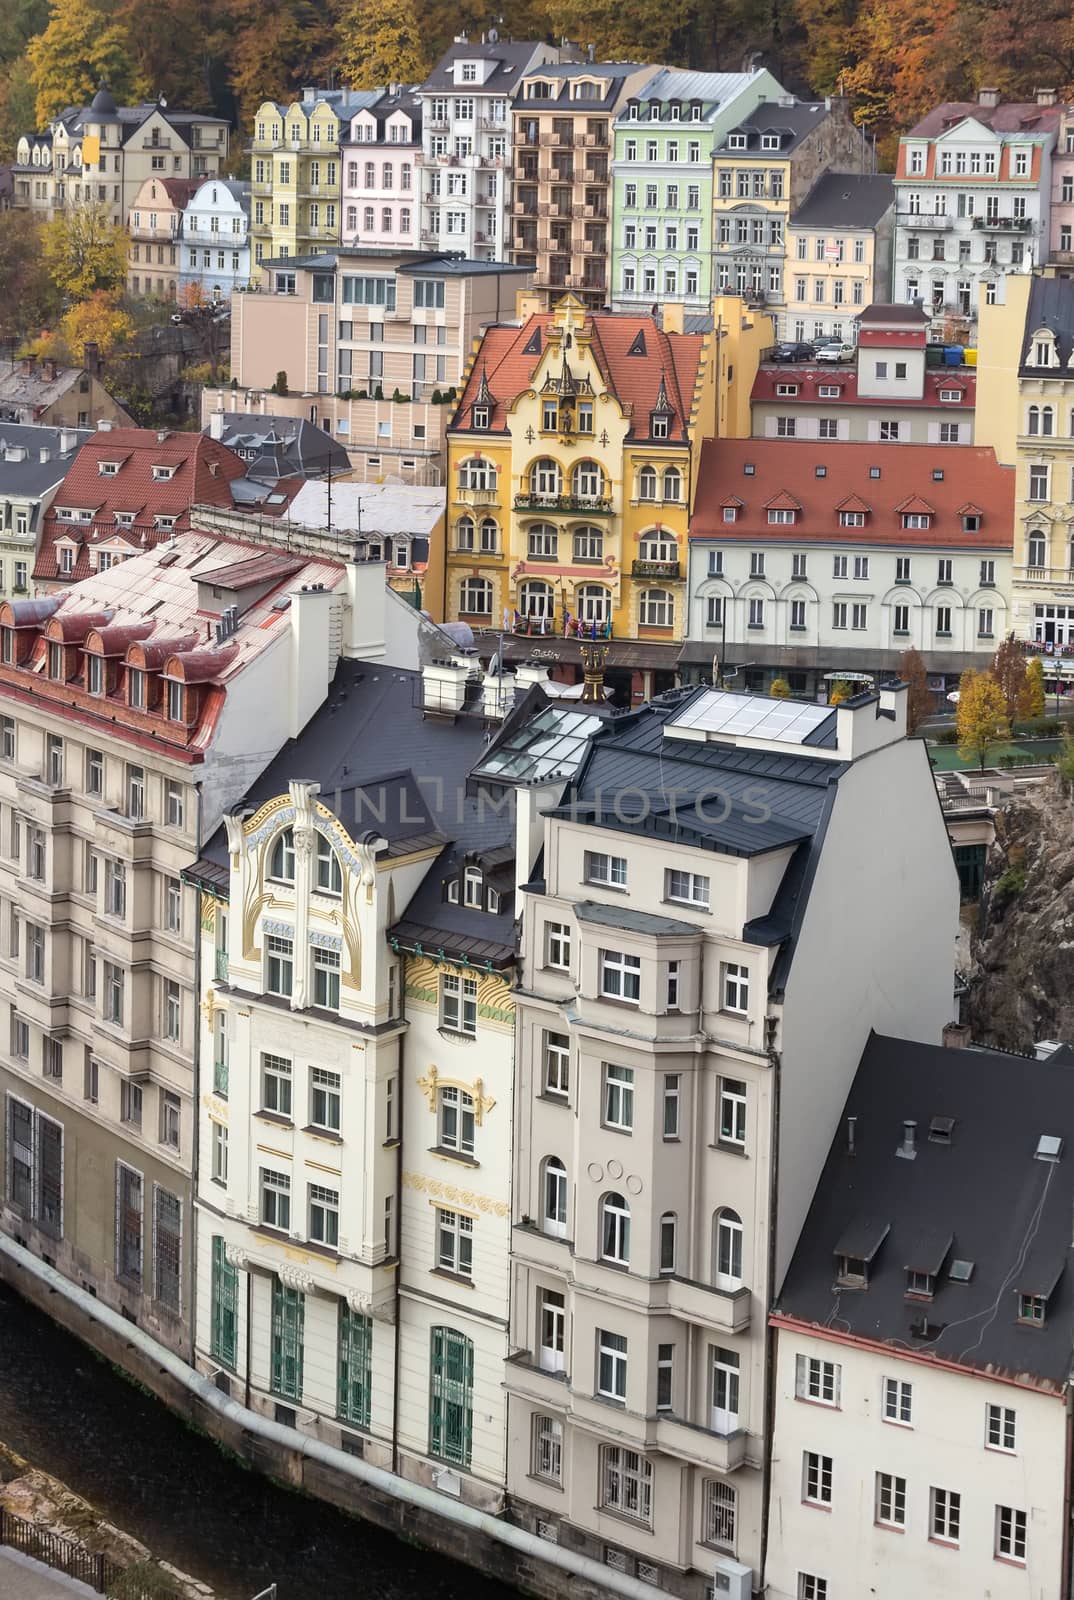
(635, 654)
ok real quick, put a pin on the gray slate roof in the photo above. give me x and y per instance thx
(1051, 305)
(983, 1198)
(513, 56)
(283, 447)
(793, 122)
(32, 476)
(846, 200)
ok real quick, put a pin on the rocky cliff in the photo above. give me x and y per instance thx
(1022, 976)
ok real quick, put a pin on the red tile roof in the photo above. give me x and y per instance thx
(509, 357)
(1016, 117)
(204, 470)
(809, 380)
(906, 483)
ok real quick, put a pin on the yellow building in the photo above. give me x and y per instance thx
(571, 464)
(296, 173)
(839, 254)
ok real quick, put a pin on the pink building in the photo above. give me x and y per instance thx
(1062, 229)
(381, 200)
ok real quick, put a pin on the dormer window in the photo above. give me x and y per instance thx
(94, 674)
(136, 688)
(124, 519)
(282, 860)
(654, 111)
(1033, 1308)
(916, 519)
(770, 141)
(174, 700)
(852, 519)
(786, 389)
(736, 141)
(164, 522)
(494, 901)
(922, 1285)
(472, 888)
(661, 425)
(451, 894)
(1044, 352)
(852, 1271)
(56, 663)
(951, 397)
(780, 514)
(162, 474)
(971, 522)
(329, 871)
(67, 559)
(730, 513)
(480, 417)
(107, 469)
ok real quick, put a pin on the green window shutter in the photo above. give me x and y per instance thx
(223, 1310)
(288, 1326)
(451, 1407)
(355, 1365)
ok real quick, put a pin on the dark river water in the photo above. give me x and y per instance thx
(69, 1414)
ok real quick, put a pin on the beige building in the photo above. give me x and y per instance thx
(58, 396)
(101, 154)
(839, 243)
(155, 227)
(372, 342)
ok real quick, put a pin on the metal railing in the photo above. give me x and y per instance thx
(98, 1571)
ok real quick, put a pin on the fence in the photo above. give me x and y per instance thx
(98, 1571)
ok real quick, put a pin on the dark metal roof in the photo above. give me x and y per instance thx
(984, 1195)
(1051, 305)
(632, 921)
(793, 123)
(513, 58)
(846, 200)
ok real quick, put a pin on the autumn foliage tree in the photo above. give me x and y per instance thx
(84, 42)
(100, 319)
(981, 716)
(30, 300)
(919, 699)
(84, 251)
(1032, 702)
(1009, 670)
(380, 41)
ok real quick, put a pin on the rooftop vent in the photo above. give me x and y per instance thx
(961, 1271)
(908, 1150)
(1049, 1147)
(941, 1130)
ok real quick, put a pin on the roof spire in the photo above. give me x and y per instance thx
(484, 395)
(662, 401)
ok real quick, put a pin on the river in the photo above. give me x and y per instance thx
(69, 1413)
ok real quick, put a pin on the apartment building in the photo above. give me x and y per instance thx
(466, 143)
(672, 989)
(839, 246)
(662, 182)
(1061, 235)
(34, 461)
(973, 185)
(101, 154)
(381, 173)
(215, 246)
(372, 341)
(296, 174)
(570, 464)
(923, 1332)
(818, 562)
(46, 392)
(156, 227)
(764, 168)
(563, 122)
(890, 393)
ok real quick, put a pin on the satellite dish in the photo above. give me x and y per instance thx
(162, 103)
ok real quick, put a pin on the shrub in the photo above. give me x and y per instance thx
(947, 736)
(1011, 884)
(280, 386)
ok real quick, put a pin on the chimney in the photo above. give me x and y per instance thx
(852, 1123)
(989, 98)
(312, 661)
(91, 358)
(956, 1035)
(44, 455)
(497, 694)
(366, 605)
(48, 370)
(527, 673)
(908, 1150)
(1046, 97)
(672, 319)
(103, 425)
(444, 685)
(865, 722)
(216, 424)
(68, 441)
(26, 366)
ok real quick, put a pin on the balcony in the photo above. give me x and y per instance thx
(523, 1377)
(476, 497)
(150, 143)
(437, 124)
(492, 124)
(730, 1311)
(1062, 258)
(1004, 224)
(655, 569)
(547, 209)
(524, 243)
(318, 191)
(932, 220)
(724, 1451)
(524, 173)
(567, 505)
(1061, 575)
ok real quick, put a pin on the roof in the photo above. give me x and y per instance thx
(413, 261)
(202, 473)
(1050, 305)
(25, 394)
(370, 510)
(541, 748)
(793, 123)
(970, 472)
(512, 56)
(1015, 117)
(633, 355)
(714, 89)
(631, 921)
(845, 200)
(22, 445)
(910, 314)
(978, 1196)
(178, 190)
(613, 74)
(811, 379)
(274, 447)
(407, 101)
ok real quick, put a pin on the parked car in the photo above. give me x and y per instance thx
(793, 351)
(835, 351)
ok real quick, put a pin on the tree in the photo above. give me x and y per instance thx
(919, 700)
(83, 44)
(1009, 670)
(18, 112)
(981, 715)
(100, 320)
(1032, 702)
(839, 691)
(84, 251)
(30, 300)
(780, 689)
(277, 45)
(380, 41)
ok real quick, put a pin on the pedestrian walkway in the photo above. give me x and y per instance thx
(23, 1579)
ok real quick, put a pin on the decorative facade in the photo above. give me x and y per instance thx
(156, 225)
(296, 174)
(215, 246)
(839, 243)
(381, 178)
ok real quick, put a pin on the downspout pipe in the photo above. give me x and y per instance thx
(276, 1433)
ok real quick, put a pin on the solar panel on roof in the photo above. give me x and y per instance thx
(781, 721)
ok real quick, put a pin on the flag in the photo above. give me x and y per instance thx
(506, 618)
(593, 635)
(566, 622)
(608, 628)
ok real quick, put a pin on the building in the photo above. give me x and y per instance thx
(562, 210)
(839, 245)
(923, 1337)
(891, 393)
(295, 170)
(275, 447)
(33, 463)
(33, 391)
(973, 190)
(155, 227)
(381, 173)
(681, 1059)
(764, 168)
(215, 244)
(101, 154)
(466, 143)
(1061, 241)
(373, 341)
(126, 489)
(399, 524)
(570, 464)
(662, 183)
(811, 562)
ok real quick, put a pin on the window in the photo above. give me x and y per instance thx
(223, 1306)
(288, 1329)
(615, 1229)
(275, 1199)
(135, 793)
(7, 734)
(167, 1249)
(326, 975)
(558, 945)
(811, 1587)
(672, 1082)
(732, 1126)
(611, 1365)
(455, 1243)
(280, 964)
(943, 621)
(557, 1059)
(839, 566)
(889, 434)
(668, 1230)
(354, 1366)
(475, 597)
(690, 888)
(171, 1010)
(548, 1448)
(1011, 1534)
(219, 1154)
(113, 993)
(175, 700)
(54, 760)
(945, 1514)
(276, 1080)
(129, 1213)
(324, 1215)
(620, 976)
(1038, 483)
(130, 1104)
(720, 1513)
(999, 1427)
(798, 564)
(115, 888)
(729, 1236)
(898, 1402)
(458, 1004)
(656, 609)
(173, 905)
(673, 974)
(170, 1119)
(817, 1380)
(282, 859)
(735, 987)
(173, 803)
(35, 854)
(554, 1198)
(890, 1510)
(861, 566)
(626, 1482)
(618, 1096)
(455, 1110)
(816, 1479)
(756, 614)
(984, 623)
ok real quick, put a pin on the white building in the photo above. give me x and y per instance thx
(924, 1329)
(215, 241)
(683, 1052)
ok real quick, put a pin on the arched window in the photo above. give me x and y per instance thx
(668, 1230)
(477, 473)
(1047, 420)
(545, 477)
(554, 1198)
(656, 609)
(658, 547)
(464, 533)
(672, 483)
(542, 542)
(587, 480)
(490, 535)
(615, 1229)
(593, 602)
(647, 483)
(1037, 550)
(588, 544)
(475, 597)
(728, 1250)
(537, 600)
(473, 888)
(329, 872)
(282, 860)
(1033, 420)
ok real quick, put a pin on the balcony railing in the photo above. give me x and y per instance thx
(465, 496)
(1004, 224)
(1029, 574)
(923, 219)
(655, 569)
(220, 965)
(565, 504)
